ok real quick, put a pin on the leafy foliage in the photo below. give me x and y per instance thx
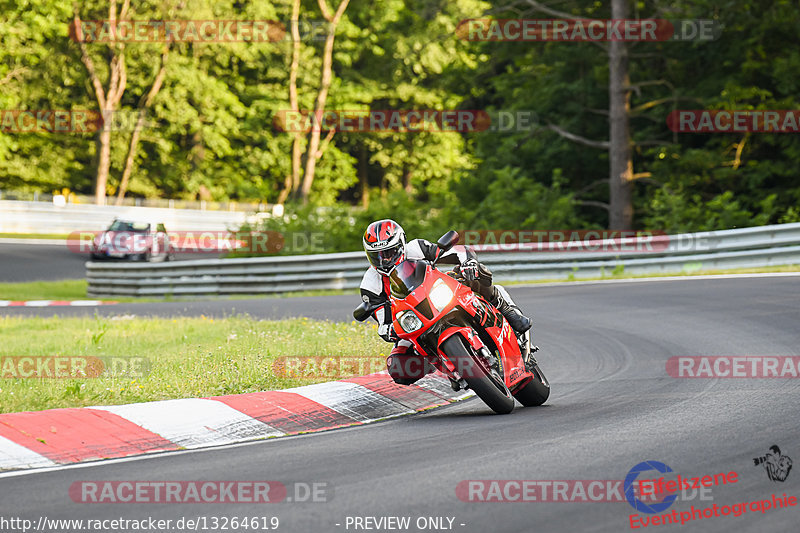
(211, 132)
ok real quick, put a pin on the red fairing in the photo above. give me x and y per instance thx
(483, 313)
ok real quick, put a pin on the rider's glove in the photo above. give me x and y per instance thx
(469, 269)
(387, 332)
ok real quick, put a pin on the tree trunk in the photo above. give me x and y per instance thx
(197, 153)
(407, 177)
(126, 173)
(363, 177)
(297, 159)
(146, 102)
(107, 100)
(292, 182)
(407, 167)
(313, 152)
(620, 158)
(287, 187)
(103, 165)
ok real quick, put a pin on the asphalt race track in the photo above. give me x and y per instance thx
(51, 262)
(613, 405)
(39, 262)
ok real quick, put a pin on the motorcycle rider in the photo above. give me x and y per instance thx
(385, 245)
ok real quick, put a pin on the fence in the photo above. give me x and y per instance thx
(738, 248)
(42, 217)
(80, 199)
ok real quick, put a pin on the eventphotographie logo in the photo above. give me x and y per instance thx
(775, 463)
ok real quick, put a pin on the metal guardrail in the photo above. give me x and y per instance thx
(738, 248)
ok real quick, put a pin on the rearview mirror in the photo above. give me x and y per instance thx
(363, 311)
(448, 240)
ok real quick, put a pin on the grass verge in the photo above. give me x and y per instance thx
(69, 289)
(187, 357)
(76, 290)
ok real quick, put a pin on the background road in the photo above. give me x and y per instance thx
(51, 262)
(39, 262)
(612, 406)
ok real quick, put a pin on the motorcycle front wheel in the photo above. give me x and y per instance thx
(487, 385)
(536, 392)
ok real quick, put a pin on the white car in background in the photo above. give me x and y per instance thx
(133, 240)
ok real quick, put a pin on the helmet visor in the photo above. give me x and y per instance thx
(384, 261)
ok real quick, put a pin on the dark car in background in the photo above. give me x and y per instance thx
(133, 240)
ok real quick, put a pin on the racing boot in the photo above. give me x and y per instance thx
(530, 360)
(518, 322)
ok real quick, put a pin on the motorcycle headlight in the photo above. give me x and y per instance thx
(440, 295)
(410, 322)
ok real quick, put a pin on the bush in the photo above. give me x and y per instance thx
(339, 228)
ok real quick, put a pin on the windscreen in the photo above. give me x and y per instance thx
(406, 277)
(121, 225)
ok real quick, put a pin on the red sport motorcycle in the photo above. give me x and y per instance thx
(462, 335)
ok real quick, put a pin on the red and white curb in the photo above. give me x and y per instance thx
(65, 436)
(48, 303)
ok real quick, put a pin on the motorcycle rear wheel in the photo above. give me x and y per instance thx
(493, 393)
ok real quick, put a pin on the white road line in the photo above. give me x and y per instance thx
(49, 303)
(87, 303)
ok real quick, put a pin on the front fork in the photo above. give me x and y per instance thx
(494, 362)
(527, 350)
